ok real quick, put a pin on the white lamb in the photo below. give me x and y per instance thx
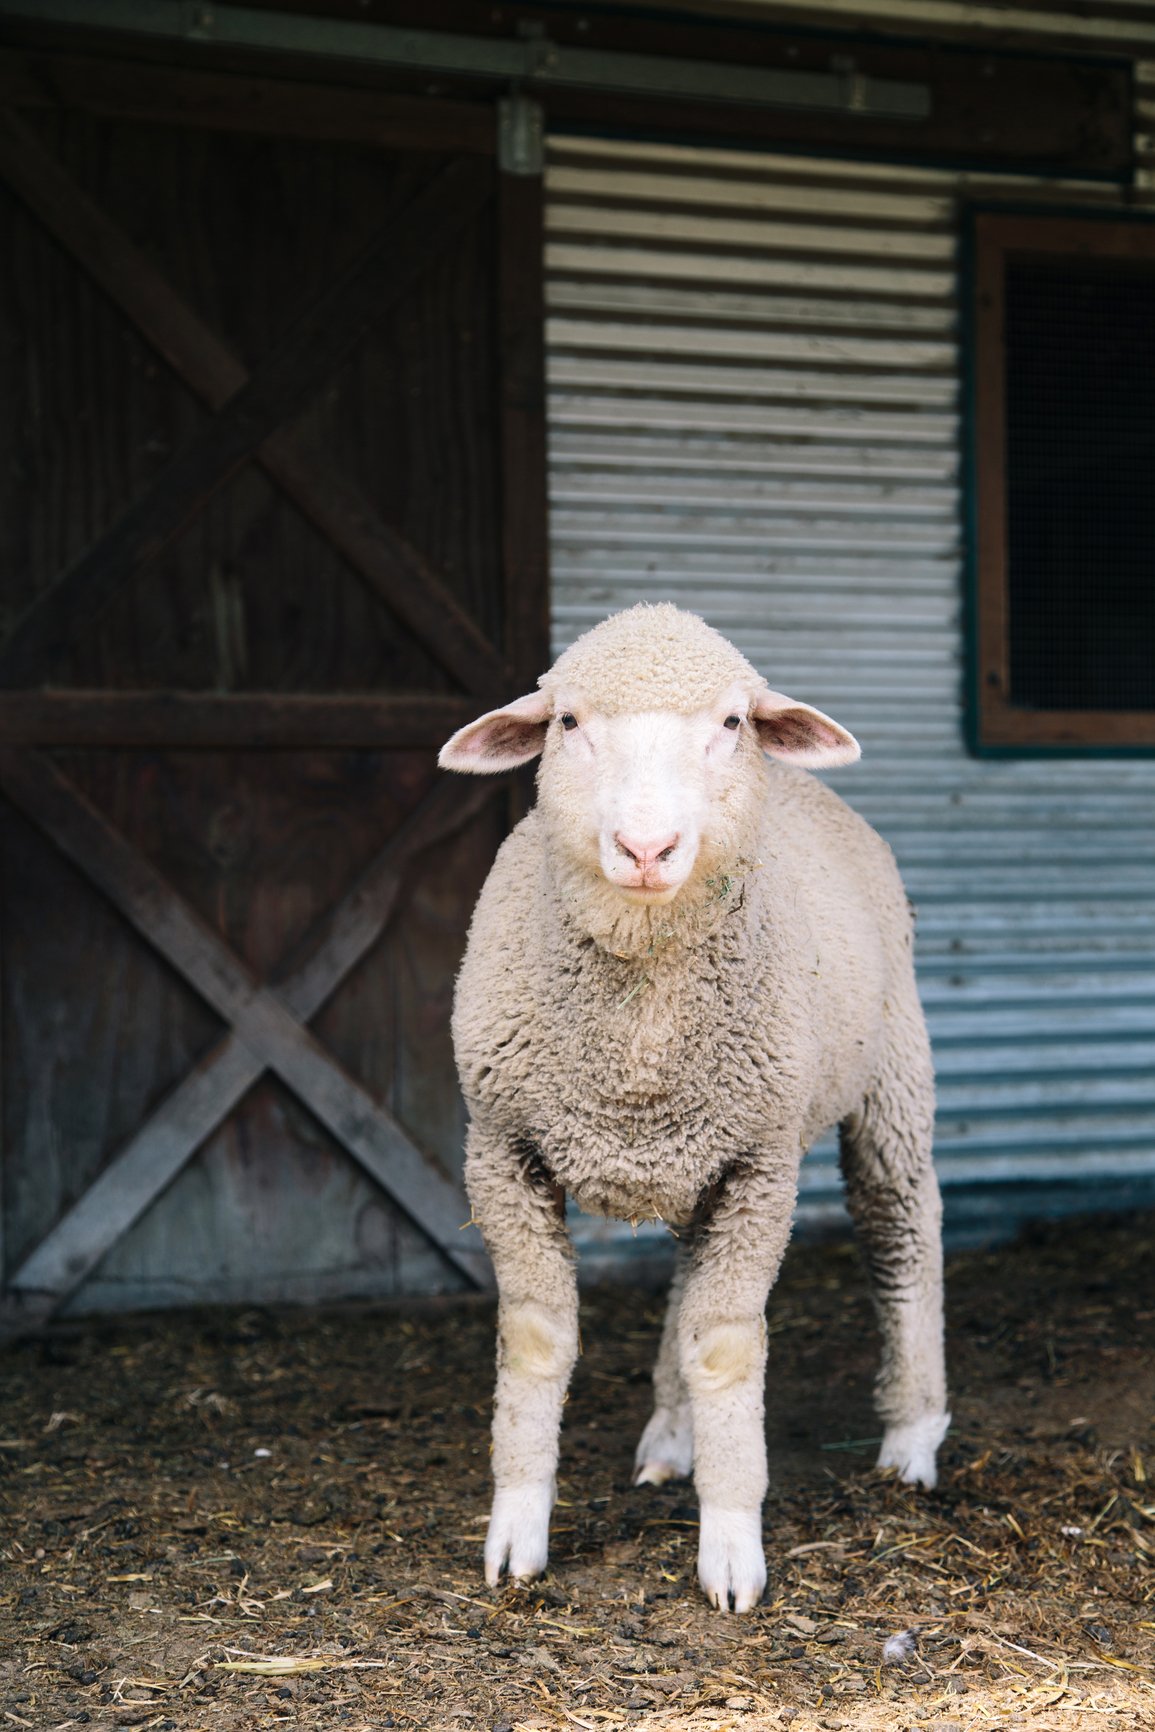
(686, 963)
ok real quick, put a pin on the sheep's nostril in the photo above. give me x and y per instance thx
(646, 854)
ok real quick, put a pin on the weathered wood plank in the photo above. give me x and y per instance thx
(394, 568)
(263, 1023)
(241, 102)
(385, 559)
(141, 1170)
(346, 933)
(244, 719)
(521, 324)
(315, 343)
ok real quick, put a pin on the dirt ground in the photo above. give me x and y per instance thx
(257, 1520)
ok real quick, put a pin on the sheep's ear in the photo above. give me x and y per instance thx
(801, 735)
(501, 739)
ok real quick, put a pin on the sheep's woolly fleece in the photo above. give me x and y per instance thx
(644, 1064)
(651, 657)
(680, 1068)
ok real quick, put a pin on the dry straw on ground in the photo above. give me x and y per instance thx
(246, 1521)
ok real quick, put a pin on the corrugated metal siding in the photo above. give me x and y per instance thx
(754, 390)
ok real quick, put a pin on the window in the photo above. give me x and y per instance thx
(1063, 470)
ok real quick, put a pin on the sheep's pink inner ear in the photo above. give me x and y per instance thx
(801, 735)
(501, 739)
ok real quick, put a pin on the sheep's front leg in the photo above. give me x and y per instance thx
(521, 1222)
(666, 1449)
(722, 1338)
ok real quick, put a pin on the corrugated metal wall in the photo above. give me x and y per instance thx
(754, 373)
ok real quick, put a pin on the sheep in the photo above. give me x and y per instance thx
(689, 960)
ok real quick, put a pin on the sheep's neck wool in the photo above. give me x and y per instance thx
(650, 658)
(627, 929)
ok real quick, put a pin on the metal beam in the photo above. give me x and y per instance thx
(533, 63)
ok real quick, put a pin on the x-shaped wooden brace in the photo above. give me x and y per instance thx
(250, 410)
(267, 1032)
(268, 1027)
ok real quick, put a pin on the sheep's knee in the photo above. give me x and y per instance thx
(535, 1342)
(723, 1356)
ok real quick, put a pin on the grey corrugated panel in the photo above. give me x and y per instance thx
(972, 991)
(773, 441)
(597, 298)
(803, 571)
(1109, 946)
(609, 492)
(856, 426)
(1114, 846)
(802, 348)
(1026, 1096)
(1042, 1061)
(687, 531)
(764, 270)
(674, 452)
(861, 171)
(594, 372)
(969, 880)
(907, 586)
(585, 176)
(751, 236)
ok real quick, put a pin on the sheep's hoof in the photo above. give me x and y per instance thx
(518, 1537)
(667, 1447)
(657, 1473)
(911, 1449)
(731, 1563)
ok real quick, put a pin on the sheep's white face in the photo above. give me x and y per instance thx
(641, 799)
(635, 794)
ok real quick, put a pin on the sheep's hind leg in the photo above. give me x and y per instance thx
(666, 1449)
(893, 1198)
(524, 1232)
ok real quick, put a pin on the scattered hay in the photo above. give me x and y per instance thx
(248, 1521)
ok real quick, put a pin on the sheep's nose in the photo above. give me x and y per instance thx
(647, 854)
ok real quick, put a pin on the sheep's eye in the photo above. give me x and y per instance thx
(732, 722)
(569, 722)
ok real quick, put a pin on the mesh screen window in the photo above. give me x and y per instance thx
(1063, 429)
(1080, 358)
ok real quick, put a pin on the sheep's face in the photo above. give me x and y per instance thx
(648, 801)
(633, 797)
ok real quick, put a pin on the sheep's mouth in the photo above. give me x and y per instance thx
(649, 892)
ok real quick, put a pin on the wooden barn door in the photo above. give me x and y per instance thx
(272, 526)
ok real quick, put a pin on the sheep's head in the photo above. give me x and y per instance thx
(650, 729)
